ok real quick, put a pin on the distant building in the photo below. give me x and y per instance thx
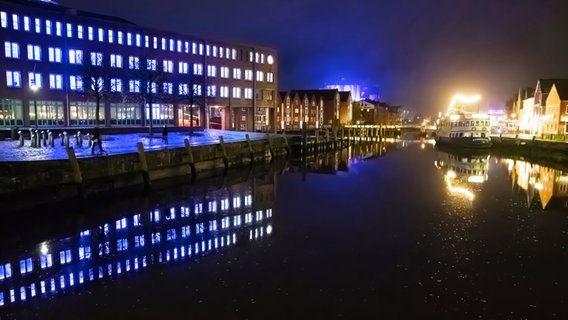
(317, 108)
(555, 118)
(345, 107)
(142, 76)
(355, 90)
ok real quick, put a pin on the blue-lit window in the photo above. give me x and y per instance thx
(179, 46)
(184, 212)
(90, 33)
(199, 228)
(16, 22)
(26, 266)
(212, 225)
(133, 63)
(200, 49)
(197, 89)
(115, 85)
(34, 52)
(214, 51)
(45, 260)
(197, 69)
(155, 42)
(171, 234)
(248, 74)
(237, 221)
(121, 224)
(35, 79)
(54, 54)
(85, 252)
(151, 64)
(259, 215)
(85, 233)
(268, 213)
(211, 71)
(156, 237)
(225, 222)
(75, 57)
(65, 256)
(121, 244)
(224, 92)
(120, 37)
(76, 83)
(224, 72)
(110, 36)
(234, 54)
(129, 38)
(3, 19)
(194, 48)
(236, 202)
(237, 73)
(248, 217)
(168, 87)
(168, 66)
(155, 216)
(185, 231)
(101, 35)
(32, 290)
(172, 215)
(26, 24)
(186, 47)
(147, 41)
(198, 208)
(96, 59)
(183, 89)
(13, 79)
(225, 204)
(171, 44)
(23, 293)
(58, 31)
(212, 91)
(207, 50)
(116, 61)
(47, 27)
(236, 92)
(56, 81)
(164, 44)
(221, 52)
(212, 206)
(69, 30)
(183, 67)
(80, 32)
(37, 23)
(139, 241)
(134, 86)
(138, 40)
(248, 200)
(227, 53)
(136, 220)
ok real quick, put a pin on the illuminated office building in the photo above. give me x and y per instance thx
(58, 62)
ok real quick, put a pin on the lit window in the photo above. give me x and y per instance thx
(80, 32)
(237, 73)
(35, 79)
(151, 64)
(186, 47)
(4, 19)
(46, 261)
(129, 38)
(56, 81)
(164, 44)
(248, 93)
(168, 87)
(13, 79)
(90, 33)
(194, 48)
(260, 76)
(47, 27)
(37, 23)
(155, 42)
(220, 52)
(69, 30)
(224, 72)
(96, 59)
(183, 67)
(269, 77)
(224, 91)
(15, 22)
(26, 24)
(211, 91)
(234, 54)
(115, 85)
(211, 71)
(133, 63)
(134, 86)
(116, 61)
(76, 83)
(200, 49)
(75, 56)
(168, 66)
(248, 74)
(138, 40)
(171, 44)
(54, 54)
(101, 35)
(197, 69)
(110, 36)
(236, 92)
(207, 50)
(12, 50)
(58, 27)
(119, 37)
(214, 51)
(197, 89)
(34, 52)
(183, 89)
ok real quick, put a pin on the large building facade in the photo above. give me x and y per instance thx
(63, 67)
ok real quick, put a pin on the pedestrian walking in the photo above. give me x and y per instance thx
(165, 134)
(96, 141)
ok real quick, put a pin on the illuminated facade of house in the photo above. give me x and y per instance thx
(317, 108)
(58, 62)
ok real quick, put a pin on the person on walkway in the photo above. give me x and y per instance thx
(165, 134)
(96, 141)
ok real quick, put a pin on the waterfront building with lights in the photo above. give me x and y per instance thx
(83, 63)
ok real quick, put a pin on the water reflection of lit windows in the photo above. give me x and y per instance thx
(184, 212)
(248, 200)
(212, 206)
(185, 231)
(22, 293)
(1, 298)
(118, 268)
(236, 202)
(91, 274)
(225, 204)
(5, 271)
(136, 220)
(127, 264)
(268, 213)
(172, 215)
(101, 274)
(12, 295)
(109, 269)
(62, 282)
(32, 290)
(198, 208)
(259, 215)
(156, 237)
(155, 215)
(84, 252)
(71, 279)
(26, 266)
(85, 233)
(121, 244)
(65, 256)
(121, 224)
(81, 277)
(171, 234)
(248, 217)
(42, 286)
(199, 228)
(139, 241)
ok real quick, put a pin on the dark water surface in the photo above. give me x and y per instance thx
(401, 231)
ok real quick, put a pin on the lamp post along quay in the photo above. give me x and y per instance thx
(34, 90)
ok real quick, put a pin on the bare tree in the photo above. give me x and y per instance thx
(96, 80)
(147, 85)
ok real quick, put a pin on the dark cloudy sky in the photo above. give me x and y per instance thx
(419, 53)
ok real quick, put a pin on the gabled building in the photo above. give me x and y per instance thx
(345, 107)
(555, 118)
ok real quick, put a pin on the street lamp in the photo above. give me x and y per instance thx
(34, 89)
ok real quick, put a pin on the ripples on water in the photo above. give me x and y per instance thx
(398, 230)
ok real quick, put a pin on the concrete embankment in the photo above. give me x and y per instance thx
(531, 148)
(52, 180)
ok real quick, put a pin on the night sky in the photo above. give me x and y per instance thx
(417, 53)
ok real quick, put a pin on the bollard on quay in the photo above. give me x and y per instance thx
(32, 139)
(61, 137)
(44, 138)
(66, 139)
(21, 138)
(38, 139)
(50, 138)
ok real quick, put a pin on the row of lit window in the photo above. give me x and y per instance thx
(121, 38)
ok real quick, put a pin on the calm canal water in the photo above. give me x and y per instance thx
(395, 231)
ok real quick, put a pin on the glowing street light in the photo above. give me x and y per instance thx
(34, 90)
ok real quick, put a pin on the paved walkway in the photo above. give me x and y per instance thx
(10, 150)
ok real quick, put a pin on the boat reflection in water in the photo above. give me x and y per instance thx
(544, 185)
(464, 170)
(204, 222)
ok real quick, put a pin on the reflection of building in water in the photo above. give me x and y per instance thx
(463, 172)
(204, 223)
(551, 184)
